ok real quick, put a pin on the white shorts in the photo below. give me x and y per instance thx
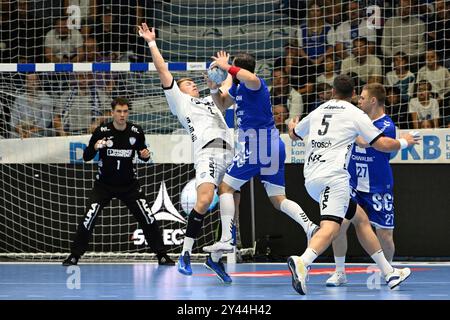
(333, 196)
(211, 165)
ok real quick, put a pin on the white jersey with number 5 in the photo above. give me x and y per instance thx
(199, 116)
(332, 128)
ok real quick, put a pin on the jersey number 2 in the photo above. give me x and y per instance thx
(326, 124)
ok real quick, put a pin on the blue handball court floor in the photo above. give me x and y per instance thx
(148, 281)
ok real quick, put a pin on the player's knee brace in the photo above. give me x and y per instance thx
(194, 225)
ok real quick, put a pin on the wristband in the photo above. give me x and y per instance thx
(403, 143)
(214, 91)
(152, 43)
(234, 70)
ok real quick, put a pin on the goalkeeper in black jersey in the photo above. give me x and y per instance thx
(117, 142)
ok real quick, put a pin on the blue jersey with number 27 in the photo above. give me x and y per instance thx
(369, 169)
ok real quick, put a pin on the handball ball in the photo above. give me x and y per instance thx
(216, 74)
(188, 197)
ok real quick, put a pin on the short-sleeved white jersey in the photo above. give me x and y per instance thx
(332, 128)
(199, 116)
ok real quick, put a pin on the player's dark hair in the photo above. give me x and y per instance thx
(245, 61)
(120, 101)
(343, 86)
(376, 90)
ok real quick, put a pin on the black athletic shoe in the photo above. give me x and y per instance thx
(164, 260)
(72, 260)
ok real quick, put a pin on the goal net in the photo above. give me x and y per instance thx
(45, 183)
(72, 59)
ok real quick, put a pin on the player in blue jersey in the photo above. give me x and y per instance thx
(263, 153)
(371, 183)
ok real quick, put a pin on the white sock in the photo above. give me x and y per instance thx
(381, 262)
(293, 210)
(308, 256)
(340, 263)
(187, 245)
(226, 215)
(215, 256)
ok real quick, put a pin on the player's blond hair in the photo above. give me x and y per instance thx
(376, 90)
(180, 81)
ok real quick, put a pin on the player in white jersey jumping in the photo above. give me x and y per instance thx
(332, 128)
(371, 185)
(211, 143)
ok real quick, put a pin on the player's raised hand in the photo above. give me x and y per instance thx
(413, 137)
(147, 33)
(222, 60)
(144, 153)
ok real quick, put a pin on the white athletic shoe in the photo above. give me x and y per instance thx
(223, 247)
(396, 277)
(337, 279)
(299, 274)
(311, 230)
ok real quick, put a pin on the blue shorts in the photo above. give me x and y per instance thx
(378, 206)
(269, 167)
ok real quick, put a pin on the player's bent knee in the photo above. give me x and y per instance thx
(330, 227)
(204, 200)
(225, 188)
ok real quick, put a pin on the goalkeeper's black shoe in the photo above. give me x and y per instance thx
(72, 260)
(164, 260)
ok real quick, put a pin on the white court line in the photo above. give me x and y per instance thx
(4, 295)
(438, 295)
(108, 296)
(67, 296)
(365, 295)
(35, 296)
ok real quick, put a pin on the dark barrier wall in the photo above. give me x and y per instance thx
(422, 213)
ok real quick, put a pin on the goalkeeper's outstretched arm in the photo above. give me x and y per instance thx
(149, 35)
